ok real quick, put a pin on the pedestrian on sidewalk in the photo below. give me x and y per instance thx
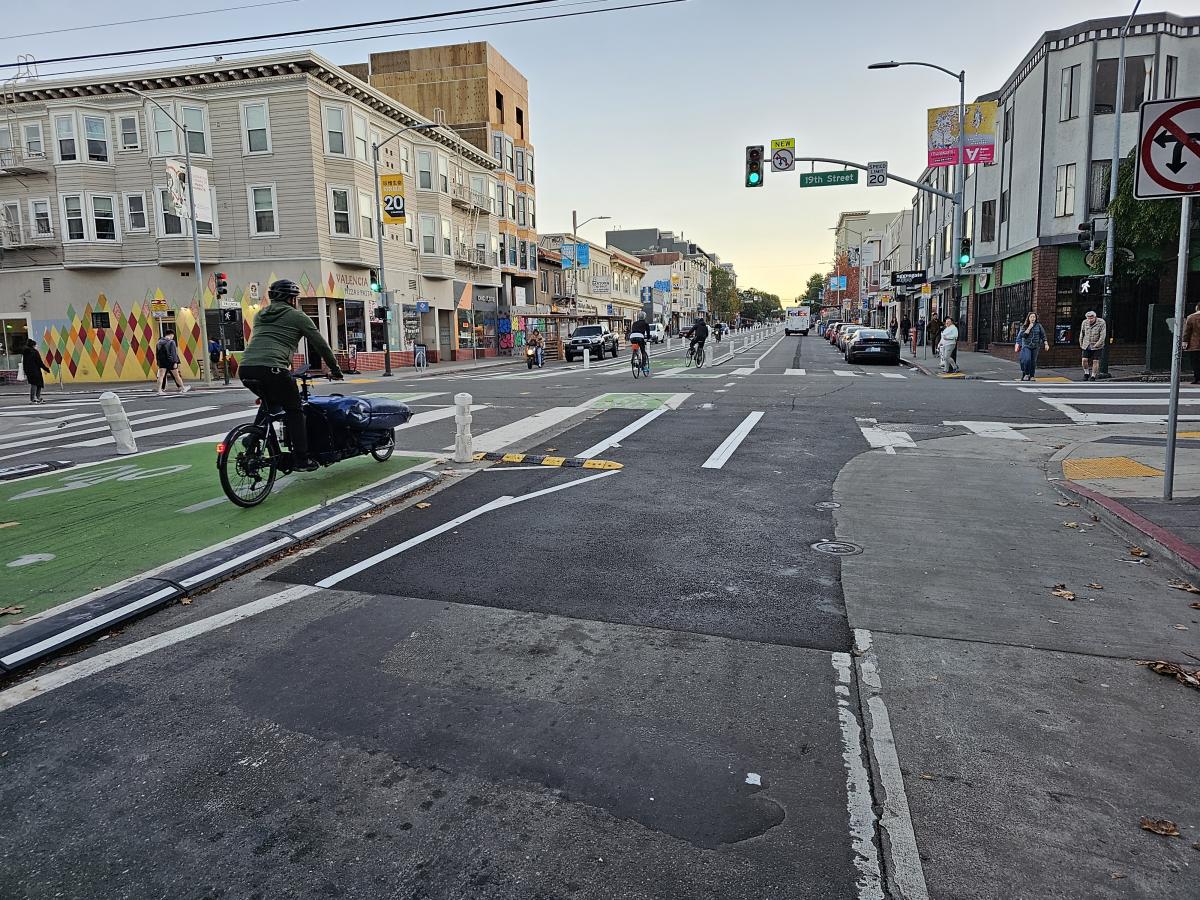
(214, 352)
(1031, 338)
(1092, 334)
(947, 344)
(1191, 342)
(166, 354)
(905, 334)
(31, 359)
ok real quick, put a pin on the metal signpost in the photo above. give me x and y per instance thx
(1168, 165)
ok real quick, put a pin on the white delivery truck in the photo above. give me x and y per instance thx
(799, 320)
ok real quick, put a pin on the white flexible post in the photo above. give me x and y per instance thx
(118, 422)
(462, 428)
(587, 358)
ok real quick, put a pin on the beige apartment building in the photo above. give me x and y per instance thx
(486, 99)
(96, 262)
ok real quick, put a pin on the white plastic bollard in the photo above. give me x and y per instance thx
(118, 422)
(587, 358)
(708, 353)
(462, 428)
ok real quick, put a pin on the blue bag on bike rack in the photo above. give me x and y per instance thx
(361, 413)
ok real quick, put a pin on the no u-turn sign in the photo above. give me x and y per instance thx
(1169, 149)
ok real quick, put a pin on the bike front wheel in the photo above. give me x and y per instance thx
(689, 359)
(247, 461)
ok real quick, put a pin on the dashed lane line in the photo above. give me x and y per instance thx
(729, 446)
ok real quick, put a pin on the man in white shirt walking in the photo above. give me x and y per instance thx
(946, 345)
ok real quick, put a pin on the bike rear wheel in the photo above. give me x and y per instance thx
(636, 364)
(247, 461)
(384, 453)
(689, 358)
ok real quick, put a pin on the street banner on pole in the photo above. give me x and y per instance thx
(391, 195)
(204, 212)
(1168, 149)
(783, 155)
(177, 190)
(979, 139)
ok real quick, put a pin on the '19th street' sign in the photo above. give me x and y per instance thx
(824, 179)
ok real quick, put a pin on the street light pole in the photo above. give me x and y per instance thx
(575, 226)
(187, 163)
(959, 193)
(1110, 242)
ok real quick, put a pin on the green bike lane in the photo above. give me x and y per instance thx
(68, 533)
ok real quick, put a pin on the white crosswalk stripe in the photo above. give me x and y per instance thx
(1112, 403)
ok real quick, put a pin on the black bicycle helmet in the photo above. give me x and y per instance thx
(284, 290)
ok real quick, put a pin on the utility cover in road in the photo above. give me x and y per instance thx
(876, 174)
(825, 179)
(1169, 149)
(783, 155)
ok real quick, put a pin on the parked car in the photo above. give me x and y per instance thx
(658, 333)
(832, 330)
(844, 335)
(873, 343)
(596, 338)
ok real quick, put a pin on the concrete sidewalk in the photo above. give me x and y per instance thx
(976, 365)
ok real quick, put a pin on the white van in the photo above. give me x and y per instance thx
(799, 320)
(657, 332)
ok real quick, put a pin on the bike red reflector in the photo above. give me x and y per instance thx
(258, 402)
(221, 447)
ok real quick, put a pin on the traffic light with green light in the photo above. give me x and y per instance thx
(754, 166)
(374, 281)
(964, 253)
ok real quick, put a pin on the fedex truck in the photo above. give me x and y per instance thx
(798, 321)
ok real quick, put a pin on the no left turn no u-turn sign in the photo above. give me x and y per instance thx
(1169, 149)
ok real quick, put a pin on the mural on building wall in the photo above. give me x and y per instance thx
(79, 352)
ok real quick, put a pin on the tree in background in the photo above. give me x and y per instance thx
(1149, 228)
(759, 306)
(724, 303)
(812, 290)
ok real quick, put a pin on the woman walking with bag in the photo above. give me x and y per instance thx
(34, 366)
(1031, 338)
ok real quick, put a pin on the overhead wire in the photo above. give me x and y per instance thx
(371, 37)
(201, 12)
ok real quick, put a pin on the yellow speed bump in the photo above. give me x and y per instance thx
(566, 462)
(1088, 468)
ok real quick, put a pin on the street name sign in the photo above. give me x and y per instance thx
(976, 270)
(826, 179)
(783, 155)
(1169, 149)
(910, 278)
(876, 174)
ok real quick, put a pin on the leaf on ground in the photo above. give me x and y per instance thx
(1194, 605)
(185, 601)
(1190, 677)
(1060, 590)
(1067, 503)
(1070, 524)
(10, 610)
(551, 449)
(1095, 586)
(1095, 518)
(1180, 585)
(9, 524)
(1165, 827)
(424, 505)
(1116, 875)
(1138, 552)
(927, 776)
(1180, 627)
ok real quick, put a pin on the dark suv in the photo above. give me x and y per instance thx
(596, 338)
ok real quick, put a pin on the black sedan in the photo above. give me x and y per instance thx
(873, 343)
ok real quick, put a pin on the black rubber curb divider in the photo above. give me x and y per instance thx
(23, 646)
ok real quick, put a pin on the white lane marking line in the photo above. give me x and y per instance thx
(845, 373)
(999, 430)
(167, 429)
(235, 562)
(54, 433)
(340, 517)
(52, 419)
(795, 372)
(505, 435)
(869, 884)
(37, 687)
(625, 432)
(758, 361)
(887, 440)
(674, 371)
(743, 371)
(892, 375)
(1122, 401)
(435, 415)
(896, 820)
(498, 503)
(1096, 387)
(729, 446)
(676, 400)
(730, 384)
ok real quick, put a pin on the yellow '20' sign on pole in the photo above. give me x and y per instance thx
(391, 195)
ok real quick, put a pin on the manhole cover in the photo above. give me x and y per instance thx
(920, 429)
(828, 504)
(837, 548)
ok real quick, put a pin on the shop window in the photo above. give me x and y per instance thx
(100, 320)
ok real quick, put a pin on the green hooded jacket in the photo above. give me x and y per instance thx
(277, 333)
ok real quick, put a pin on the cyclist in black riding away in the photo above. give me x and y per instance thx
(699, 336)
(639, 336)
(267, 363)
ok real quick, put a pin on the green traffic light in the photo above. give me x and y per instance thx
(964, 260)
(753, 178)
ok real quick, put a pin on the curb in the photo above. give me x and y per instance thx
(39, 639)
(1127, 520)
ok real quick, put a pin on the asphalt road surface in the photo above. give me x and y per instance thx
(529, 682)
